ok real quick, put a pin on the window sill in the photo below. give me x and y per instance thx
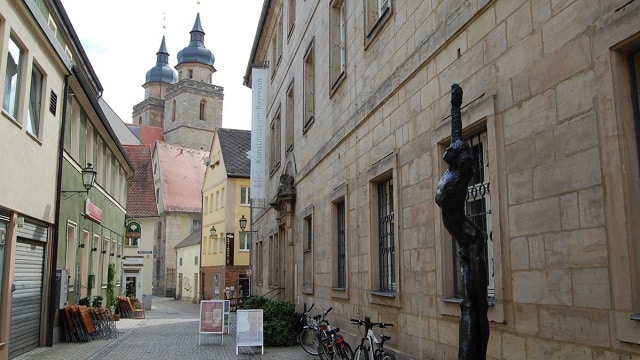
(455, 300)
(339, 293)
(387, 294)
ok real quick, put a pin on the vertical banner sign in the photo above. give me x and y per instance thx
(229, 249)
(258, 131)
(249, 331)
(211, 318)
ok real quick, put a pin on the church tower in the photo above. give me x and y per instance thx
(150, 111)
(193, 105)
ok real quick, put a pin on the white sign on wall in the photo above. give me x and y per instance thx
(258, 131)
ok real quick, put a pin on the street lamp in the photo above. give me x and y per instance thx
(243, 223)
(88, 179)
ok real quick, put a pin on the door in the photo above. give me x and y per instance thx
(131, 286)
(26, 299)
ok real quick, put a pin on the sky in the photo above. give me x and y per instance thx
(121, 38)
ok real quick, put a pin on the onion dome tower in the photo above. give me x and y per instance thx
(193, 105)
(196, 53)
(151, 110)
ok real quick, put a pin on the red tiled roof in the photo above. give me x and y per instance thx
(181, 175)
(141, 197)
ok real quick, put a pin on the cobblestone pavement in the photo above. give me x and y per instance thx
(169, 331)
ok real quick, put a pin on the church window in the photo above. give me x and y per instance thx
(203, 104)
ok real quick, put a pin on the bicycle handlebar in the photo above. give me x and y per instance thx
(381, 325)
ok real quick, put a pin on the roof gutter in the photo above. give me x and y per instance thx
(256, 41)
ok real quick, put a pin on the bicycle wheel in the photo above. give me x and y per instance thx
(345, 352)
(308, 340)
(387, 355)
(361, 353)
(326, 351)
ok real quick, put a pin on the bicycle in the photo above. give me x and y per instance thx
(364, 350)
(317, 338)
(334, 346)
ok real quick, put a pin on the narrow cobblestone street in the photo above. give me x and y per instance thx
(169, 331)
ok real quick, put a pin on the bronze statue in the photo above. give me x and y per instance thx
(451, 197)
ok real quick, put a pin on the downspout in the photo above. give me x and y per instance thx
(201, 282)
(56, 223)
(634, 100)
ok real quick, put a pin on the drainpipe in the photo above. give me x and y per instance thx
(56, 222)
(634, 99)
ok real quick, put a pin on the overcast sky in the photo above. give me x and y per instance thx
(121, 38)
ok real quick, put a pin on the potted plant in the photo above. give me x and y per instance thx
(112, 302)
(97, 301)
(85, 301)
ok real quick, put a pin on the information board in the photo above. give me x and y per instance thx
(211, 318)
(249, 330)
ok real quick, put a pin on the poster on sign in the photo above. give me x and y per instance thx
(211, 319)
(249, 330)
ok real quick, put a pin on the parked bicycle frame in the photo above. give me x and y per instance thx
(370, 348)
(317, 338)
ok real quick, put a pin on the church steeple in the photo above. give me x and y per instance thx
(162, 72)
(196, 52)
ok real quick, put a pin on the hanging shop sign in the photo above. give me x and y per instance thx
(133, 229)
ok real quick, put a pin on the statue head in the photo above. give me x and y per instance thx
(457, 154)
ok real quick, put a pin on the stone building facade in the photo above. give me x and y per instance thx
(356, 126)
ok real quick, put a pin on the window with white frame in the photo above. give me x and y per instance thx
(245, 195)
(132, 242)
(35, 101)
(244, 241)
(73, 250)
(196, 223)
(12, 78)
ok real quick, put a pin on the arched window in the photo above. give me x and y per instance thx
(173, 111)
(203, 104)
